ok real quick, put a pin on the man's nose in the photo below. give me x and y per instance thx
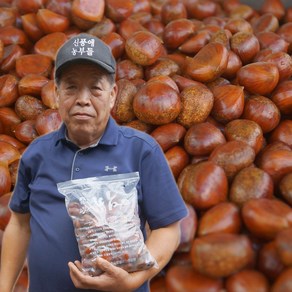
(84, 96)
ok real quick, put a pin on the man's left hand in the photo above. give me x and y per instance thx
(112, 278)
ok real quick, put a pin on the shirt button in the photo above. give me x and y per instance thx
(77, 169)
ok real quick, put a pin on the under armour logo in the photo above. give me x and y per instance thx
(113, 169)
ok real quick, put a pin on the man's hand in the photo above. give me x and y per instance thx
(112, 278)
(161, 244)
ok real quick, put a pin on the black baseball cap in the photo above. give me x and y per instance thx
(85, 47)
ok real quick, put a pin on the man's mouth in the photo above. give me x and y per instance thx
(82, 116)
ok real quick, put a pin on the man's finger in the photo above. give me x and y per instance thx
(104, 265)
(73, 268)
(78, 265)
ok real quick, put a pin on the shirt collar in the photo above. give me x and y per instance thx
(109, 137)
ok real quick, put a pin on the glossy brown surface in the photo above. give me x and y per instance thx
(209, 63)
(103, 28)
(123, 109)
(283, 282)
(156, 103)
(247, 281)
(165, 79)
(258, 78)
(195, 43)
(263, 111)
(202, 139)
(141, 126)
(33, 64)
(222, 218)
(11, 140)
(8, 90)
(13, 169)
(118, 10)
(232, 157)
(282, 133)
(285, 187)
(31, 26)
(173, 9)
(285, 32)
(228, 102)
(11, 35)
(283, 246)
(235, 25)
(116, 43)
(177, 32)
(4, 210)
(9, 119)
(266, 217)
(203, 185)
(143, 48)
(49, 120)
(282, 97)
(200, 9)
(50, 21)
(129, 70)
(188, 227)
(92, 10)
(283, 61)
(32, 84)
(245, 45)
(11, 54)
(177, 159)
(48, 95)
(49, 44)
(220, 255)
(164, 66)
(5, 179)
(234, 63)
(271, 40)
(169, 135)
(186, 278)
(250, 183)
(183, 82)
(8, 16)
(277, 163)
(8, 153)
(26, 132)
(273, 6)
(269, 262)
(267, 22)
(28, 107)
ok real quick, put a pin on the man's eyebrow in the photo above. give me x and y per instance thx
(70, 77)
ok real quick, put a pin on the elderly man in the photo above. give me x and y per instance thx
(88, 144)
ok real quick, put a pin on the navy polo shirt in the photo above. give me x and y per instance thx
(51, 159)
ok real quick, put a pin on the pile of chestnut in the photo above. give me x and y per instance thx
(210, 80)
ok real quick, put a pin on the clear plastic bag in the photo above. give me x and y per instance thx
(104, 211)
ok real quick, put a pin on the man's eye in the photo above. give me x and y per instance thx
(96, 88)
(70, 87)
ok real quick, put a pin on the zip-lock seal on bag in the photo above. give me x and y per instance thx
(104, 211)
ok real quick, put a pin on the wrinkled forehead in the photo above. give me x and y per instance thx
(75, 68)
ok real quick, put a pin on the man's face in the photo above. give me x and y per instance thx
(86, 98)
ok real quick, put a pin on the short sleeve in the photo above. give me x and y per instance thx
(20, 198)
(162, 201)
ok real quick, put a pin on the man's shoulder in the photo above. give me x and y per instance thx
(136, 135)
(42, 144)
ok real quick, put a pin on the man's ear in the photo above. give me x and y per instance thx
(113, 95)
(57, 94)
